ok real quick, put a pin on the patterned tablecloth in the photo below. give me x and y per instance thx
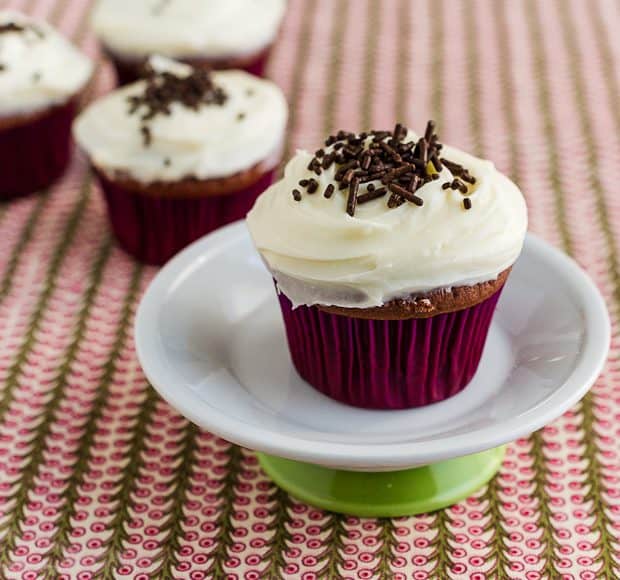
(100, 478)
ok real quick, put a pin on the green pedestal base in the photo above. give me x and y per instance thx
(385, 494)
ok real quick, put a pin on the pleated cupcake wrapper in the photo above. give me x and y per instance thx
(128, 72)
(35, 154)
(153, 229)
(387, 364)
(259, 66)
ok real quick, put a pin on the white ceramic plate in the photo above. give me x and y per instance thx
(211, 341)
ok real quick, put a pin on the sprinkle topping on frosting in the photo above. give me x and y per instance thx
(163, 88)
(14, 27)
(401, 167)
(186, 135)
(440, 236)
(39, 67)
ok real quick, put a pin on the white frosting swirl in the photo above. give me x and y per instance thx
(318, 254)
(39, 68)
(213, 141)
(187, 28)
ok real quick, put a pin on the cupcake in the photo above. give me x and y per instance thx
(214, 34)
(41, 78)
(389, 252)
(182, 152)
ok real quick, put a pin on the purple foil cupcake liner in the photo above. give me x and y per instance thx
(129, 71)
(153, 229)
(36, 153)
(387, 364)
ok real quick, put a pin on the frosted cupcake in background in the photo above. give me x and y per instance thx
(214, 34)
(389, 253)
(41, 78)
(182, 152)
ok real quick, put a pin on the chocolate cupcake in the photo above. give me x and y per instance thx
(389, 252)
(182, 152)
(41, 78)
(213, 34)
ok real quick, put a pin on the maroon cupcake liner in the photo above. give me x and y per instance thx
(259, 66)
(387, 364)
(128, 71)
(153, 229)
(35, 153)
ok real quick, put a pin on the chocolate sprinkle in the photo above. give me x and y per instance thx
(352, 199)
(403, 193)
(313, 185)
(315, 165)
(9, 27)
(430, 131)
(147, 137)
(164, 88)
(401, 167)
(297, 195)
(459, 171)
(327, 161)
(395, 201)
(371, 194)
(366, 161)
(467, 203)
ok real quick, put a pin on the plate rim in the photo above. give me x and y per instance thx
(597, 338)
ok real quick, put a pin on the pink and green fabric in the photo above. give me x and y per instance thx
(99, 478)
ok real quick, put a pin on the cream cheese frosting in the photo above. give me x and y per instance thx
(38, 67)
(187, 28)
(319, 254)
(207, 142)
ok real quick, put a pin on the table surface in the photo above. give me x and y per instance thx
(100, 478)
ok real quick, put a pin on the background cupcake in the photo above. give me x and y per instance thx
(41, 78)
(182, 152)
(219, 34)
(389, 252)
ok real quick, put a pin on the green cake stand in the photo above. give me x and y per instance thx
(385, 493)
